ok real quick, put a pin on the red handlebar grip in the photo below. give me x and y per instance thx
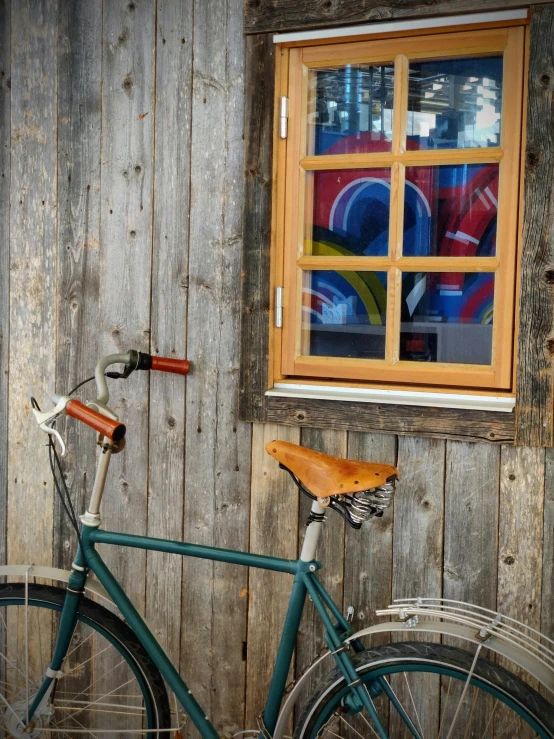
(114, 430)
(167, 364)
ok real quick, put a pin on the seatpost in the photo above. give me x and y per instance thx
(92, 515)
(313, 530)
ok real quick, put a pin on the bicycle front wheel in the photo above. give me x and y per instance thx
(427, 691)
(109, 686)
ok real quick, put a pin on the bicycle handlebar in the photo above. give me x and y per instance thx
(114, 430)
(134, 360)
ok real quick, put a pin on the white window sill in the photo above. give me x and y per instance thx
(398, 397)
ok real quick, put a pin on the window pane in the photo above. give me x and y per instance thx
(350, 109)
(450, 211)
(344, 314)
(347, 212)
(454, 103)
(447, 317)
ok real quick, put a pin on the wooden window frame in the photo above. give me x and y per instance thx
(533, 421)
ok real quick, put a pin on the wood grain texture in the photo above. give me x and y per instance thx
(217, 466)
(447, 423)
(368, 552)
(547, 607)
(78, 291)
(471, 523)
(172, 123)
(520, 533)
(535, 372)
(5, 124)
(32, 274)
(259, 84)
(418, 551)
(330, 551)
(126, 237)
(273, 531)
(264, 16)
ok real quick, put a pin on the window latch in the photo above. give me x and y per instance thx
(284, 117)
(278, 307)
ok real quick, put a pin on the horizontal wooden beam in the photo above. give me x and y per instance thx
(265, 16)
(445, 423)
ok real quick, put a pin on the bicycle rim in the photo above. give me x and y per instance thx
(108, 685)
(430, 696)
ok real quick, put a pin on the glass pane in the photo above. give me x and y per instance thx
(344, 314)
(350, 109)
(447, 317)
(347, 212)
(450, 211)
(454, 103)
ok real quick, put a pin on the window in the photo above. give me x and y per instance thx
(396, 211)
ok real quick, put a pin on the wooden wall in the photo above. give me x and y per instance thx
(121, 180)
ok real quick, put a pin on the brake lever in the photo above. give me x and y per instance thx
(47, 419)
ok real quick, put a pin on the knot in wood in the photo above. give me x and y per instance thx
(532, 159)
(544, 81)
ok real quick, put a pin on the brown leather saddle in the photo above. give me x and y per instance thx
(324, 475)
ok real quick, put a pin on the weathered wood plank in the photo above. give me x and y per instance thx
(217, 466)
(126, 242)
(470, 547)
(521, 526)
(447, 423)
(418, 550)
(535, 376)
(264, 16)
(368, 552)
(471, 523)
(79, 125)
(520, 533)
(169, 305)
(5, 122)
(32, 274)
(330, 552)
(547, 607)
(260, 74)
(273, 531)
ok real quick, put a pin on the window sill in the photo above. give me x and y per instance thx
(465, 401)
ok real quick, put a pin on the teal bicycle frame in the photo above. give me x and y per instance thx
(304, 582)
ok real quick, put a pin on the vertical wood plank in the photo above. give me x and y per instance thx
(217, 466)
(471, 522)
(79, 124)
(128, 45)
(470, 548)
(169, 306)
(273, 531)
(5, 116)
(520, 534)
(126, 236)
(331, 553)
(418, 550)
(535, 383)
(32, 274)
(258, 165)
(368, 552)
(547, 608)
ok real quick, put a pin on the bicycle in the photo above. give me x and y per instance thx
(70, 666)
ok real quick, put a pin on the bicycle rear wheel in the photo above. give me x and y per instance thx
(109, 687)
(422, 690)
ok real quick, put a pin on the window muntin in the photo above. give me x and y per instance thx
(485, 174)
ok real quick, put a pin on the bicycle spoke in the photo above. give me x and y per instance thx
(414, 705)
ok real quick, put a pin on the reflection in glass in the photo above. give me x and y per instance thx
(450, 211)
(447, 317)
(454, 103)
(347, 212)
(344, 314)
(350, 109)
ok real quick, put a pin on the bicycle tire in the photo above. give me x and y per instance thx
(102, 626)
(324, 706)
